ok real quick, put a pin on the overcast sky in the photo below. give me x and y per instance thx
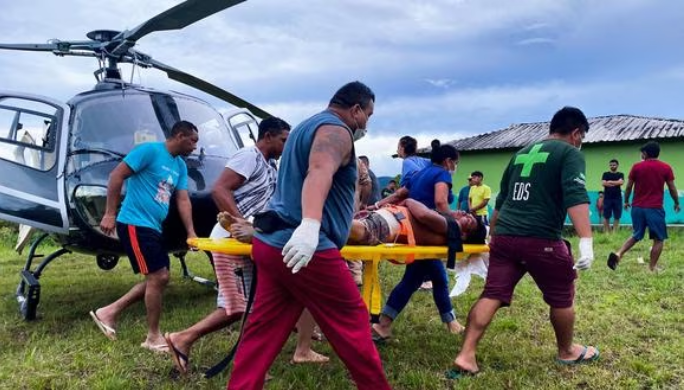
(440, 68)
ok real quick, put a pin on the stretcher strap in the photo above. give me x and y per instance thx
(454, 242)
(406, 230)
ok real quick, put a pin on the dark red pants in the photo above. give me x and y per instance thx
(326, 288)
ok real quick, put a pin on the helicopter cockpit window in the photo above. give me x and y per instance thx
(107, 127)
(25, 132)
(214, 136)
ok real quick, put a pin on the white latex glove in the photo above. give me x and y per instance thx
(301, 247)
(586, 250)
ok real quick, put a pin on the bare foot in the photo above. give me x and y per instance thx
(426, 285)
(309, 356)
(155, 343)
(381, 331)
(455, 327)
(225, 219)
(467, 365)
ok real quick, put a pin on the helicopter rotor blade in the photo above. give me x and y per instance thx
(182, 77)
(55, 46)
(178, 17)
(29, 46)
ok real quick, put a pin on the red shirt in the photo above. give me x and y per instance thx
(649, 177)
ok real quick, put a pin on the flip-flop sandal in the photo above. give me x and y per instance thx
(180, 360)
(380, 340)
(580, 359)
(613, 260)
(159, 348)
(455, 373)
(107, 330)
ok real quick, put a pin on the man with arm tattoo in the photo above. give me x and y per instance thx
(297, 248)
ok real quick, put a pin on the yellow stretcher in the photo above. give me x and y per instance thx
(370, 255)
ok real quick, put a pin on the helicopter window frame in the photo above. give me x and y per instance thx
(48, 143)
(44, 148)
(237, 122)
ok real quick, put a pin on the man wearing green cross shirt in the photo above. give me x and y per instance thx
(541, 185)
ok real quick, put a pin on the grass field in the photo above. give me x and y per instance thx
(635, 317)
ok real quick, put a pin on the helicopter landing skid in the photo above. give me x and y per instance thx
(28, 290)
(189, 275)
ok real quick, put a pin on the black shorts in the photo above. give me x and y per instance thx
(144, 247)
(612, 208)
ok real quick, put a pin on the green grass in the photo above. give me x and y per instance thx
(636, 318)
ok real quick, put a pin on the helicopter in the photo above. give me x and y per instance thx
(56, 157)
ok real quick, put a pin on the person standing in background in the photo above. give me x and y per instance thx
(463, 202)
(375, 184)
(648, 178)
(612, 196)
(389, 190)
(599, 204)
(407, 149)
(478, 198)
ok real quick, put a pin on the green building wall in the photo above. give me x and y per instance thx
(493, 162)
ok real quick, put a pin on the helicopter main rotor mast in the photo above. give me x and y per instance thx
(114, 47)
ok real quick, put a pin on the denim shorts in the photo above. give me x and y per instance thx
(654, 219)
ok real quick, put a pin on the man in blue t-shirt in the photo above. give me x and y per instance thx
(152, 172)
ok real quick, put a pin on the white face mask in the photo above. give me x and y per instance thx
(580, 144)
(360, 132)
(453, 171)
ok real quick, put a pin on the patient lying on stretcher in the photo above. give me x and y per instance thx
(429, 227)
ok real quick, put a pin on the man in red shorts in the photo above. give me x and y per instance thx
(542, 183)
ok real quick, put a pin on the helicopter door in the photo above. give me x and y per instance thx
(244, 127)
(33, 138)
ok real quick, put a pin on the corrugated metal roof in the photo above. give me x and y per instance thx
(601, 129)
